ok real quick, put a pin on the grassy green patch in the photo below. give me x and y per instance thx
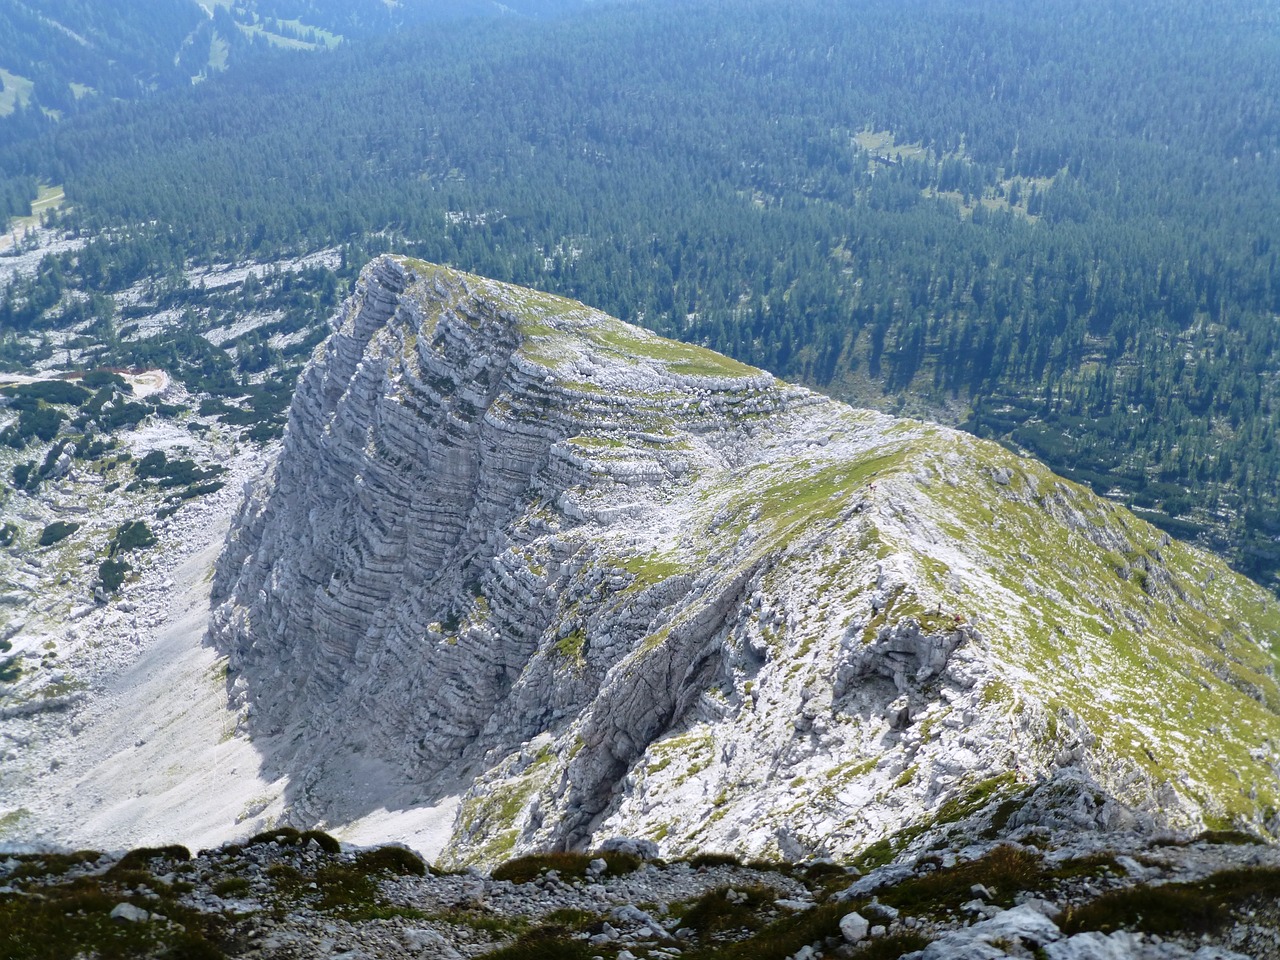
(344, 888)
(16, 90)
(714, 912)
(141, 857)
(40, 865)
(892, 947)
(779, 939)
(571, 647)
(1090, 866)
(681, 358)
(1228, 837)
(1177, 908)
(545, 943)
(1005, 871)
(231, 887)
(71, 918)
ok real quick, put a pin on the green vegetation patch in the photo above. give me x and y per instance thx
(568, 864)
(30, 395)
(142, 857)
(72, 918)
(680, 358)
(714, 912)
(395, 860)
(292, 837)
(551, 942)
(166, 473)
(701, 860)
(56, 532)
(38, 423)
(131, 535)
(1005, 871)
(44, 865)
(112, 572)
(10, 669)
(783, 937)
(1176, 908)
(650, 568)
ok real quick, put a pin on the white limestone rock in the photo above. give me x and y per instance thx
(854, 927)
(579, 581)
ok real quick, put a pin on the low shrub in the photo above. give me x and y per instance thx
(42, 423)
(1005, 871)
(141, 857)
(545, 943)
(131, 535)
(48, 391)
(285, 836)
(1200, 907)
(51, 864)
(714, 860)
(714, 912)
(1238, 837)
(231, 887)
(97, 379)
(391, 860)
(782, 938)
(292, 837)
(111, 574)
(530, 867)
(568, 864)
(325, 842)
(56, 532)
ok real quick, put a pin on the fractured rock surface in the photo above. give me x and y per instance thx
(595, 582)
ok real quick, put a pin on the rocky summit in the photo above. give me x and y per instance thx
(543, 578)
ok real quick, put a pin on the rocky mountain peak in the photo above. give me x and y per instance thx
(539, 577)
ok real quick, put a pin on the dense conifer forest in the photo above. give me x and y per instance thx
(1055, 224)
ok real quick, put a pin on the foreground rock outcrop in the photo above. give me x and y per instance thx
(288, 895)
(520, 558)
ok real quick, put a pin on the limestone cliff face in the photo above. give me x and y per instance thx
(603, 583)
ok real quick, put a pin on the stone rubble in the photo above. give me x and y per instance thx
(262, 905)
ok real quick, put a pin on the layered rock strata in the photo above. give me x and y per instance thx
(598, 582)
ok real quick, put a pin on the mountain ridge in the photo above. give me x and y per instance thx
(556, 578)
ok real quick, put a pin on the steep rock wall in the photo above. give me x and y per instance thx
(599, 582)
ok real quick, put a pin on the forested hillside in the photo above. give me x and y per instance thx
(60, 57)
(1054, 224)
